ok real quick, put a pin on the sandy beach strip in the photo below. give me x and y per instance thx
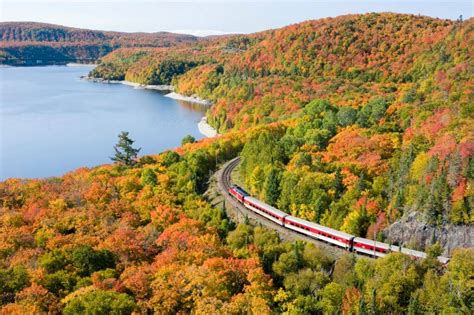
(192, 99)
(135, 85)
(206, 129)
(147, 87)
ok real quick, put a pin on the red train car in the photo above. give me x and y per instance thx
(238, 193)
(328, 235)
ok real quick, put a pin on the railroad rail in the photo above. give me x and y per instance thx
(240, 213)
(284, 223)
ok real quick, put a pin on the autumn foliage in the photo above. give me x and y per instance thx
(352, 122)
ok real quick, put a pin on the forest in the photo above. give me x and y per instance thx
(31, 43)
(377, 112)
(353, 122)
(115, 240)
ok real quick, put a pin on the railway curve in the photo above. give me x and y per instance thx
(239, 213)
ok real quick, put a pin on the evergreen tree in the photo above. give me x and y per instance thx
(272, 186)
(360, 185)
(414, 307)
(338, 184)
(373, 303)
(318, 208)
(469, 170)
(454, 169)
(362, 306)
(438, 200)
(188, 139)
(124, 152)
(346, 116)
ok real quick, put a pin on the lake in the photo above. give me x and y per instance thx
(52, 122)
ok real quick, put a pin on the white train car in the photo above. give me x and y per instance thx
(443, 260)
(413, 253)
(265, 210)
(328, 235)
(370, 247)
(320, 232)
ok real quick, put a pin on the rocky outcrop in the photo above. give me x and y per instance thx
(413, 232)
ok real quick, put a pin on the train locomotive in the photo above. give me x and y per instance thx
(320, 232)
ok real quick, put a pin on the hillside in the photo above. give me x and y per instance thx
(30, 43)
(363, 123)
(381, 103)
(117, 240)
(267, 76)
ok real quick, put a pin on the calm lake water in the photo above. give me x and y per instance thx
(52, 122)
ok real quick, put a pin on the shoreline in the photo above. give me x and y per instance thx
(146, 87)
(77, 64)
(206, 129)
(192, 99)
(165, 88)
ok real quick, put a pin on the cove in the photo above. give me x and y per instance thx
(52, 122)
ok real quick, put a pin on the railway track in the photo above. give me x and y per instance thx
(224, 182)
(240, 213)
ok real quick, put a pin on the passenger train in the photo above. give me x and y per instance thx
(317, 231)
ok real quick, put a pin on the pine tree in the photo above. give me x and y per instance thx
(414, 308)
(188, 139)
(362, 306)
(124, 152)
(454, 169)
(272, 187)
(373, 303)
(318, 208)
(360, 185)
(338, 184)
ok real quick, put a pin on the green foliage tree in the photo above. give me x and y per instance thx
(124, 152)
(331, 298)
(53, 261)
(306, 282)
(170, 157)
(290, 261)
(272, 186)
(346, 116)
(458, 280)
(60, 282)
(149, 177)
(318, 106)
(372, 112)
(168, 69)
(414, 307)
(12, 280)
(338, 184)
(88, 260)
(268, 245)
(100, 302)
(241, 237)
(438, 198)
(188, 139)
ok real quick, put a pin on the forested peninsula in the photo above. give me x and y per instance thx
(362, 123)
